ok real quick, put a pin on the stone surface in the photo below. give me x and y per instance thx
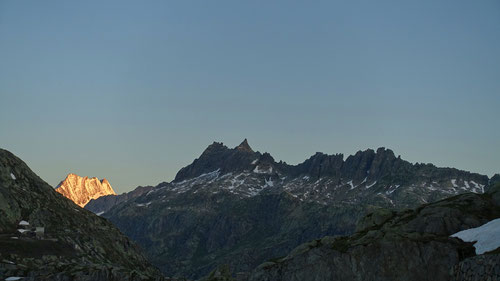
(483, 267)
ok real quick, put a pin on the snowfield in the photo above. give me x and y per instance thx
(487, 236)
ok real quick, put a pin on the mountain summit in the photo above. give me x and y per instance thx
(244, 146)
(83, 189)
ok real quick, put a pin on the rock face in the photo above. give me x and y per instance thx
(75, 245)
(83, 189)
(495, 179)
(483, 267)
(240, 207)
(407, 245)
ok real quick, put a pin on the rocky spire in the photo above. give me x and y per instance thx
(244, 146)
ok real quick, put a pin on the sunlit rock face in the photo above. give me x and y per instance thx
(83, 189)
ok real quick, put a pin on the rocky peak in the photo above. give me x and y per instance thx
(382, 162)
(495, 179)
(83, 189)
(357, 166)
(219, 157)
(244, 146)
(385, 151)
(266, 158)
(320, 165)
(214, 148)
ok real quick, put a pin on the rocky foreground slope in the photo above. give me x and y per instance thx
(407, 245)
(83, 189)
(74, 244)
(240, 207)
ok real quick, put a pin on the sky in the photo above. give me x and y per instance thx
(134, 90)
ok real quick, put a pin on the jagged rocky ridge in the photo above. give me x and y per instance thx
(378, 176)
(240, 207)
(406, 245)
(77, 244)
(83, 189)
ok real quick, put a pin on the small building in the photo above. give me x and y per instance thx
(23, 228)
(24, 225)
(40, 232)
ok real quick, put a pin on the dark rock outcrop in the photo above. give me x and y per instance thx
(406, 245)
(483, 267)
(495, 179)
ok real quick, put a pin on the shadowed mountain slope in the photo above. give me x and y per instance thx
(75, 244)
(408, 245)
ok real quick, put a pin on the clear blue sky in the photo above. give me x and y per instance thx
(135, 90)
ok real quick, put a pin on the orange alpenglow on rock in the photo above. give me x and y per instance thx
(82, 189)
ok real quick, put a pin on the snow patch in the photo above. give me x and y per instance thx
(143, 204)
(254, 162)
(478, 187)
(235, 182)
(13, 278)
(486, 236)
(391, 190)
(205, 178)
(370, 185)
(350, 183)
(24, 223)
(12, 176)
(430, 187)
(100, 213)
(269, 183)
(454, 183)
(257, 170)
(467, 184)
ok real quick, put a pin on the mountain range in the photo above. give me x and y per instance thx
(240, 207)
(204, 225)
